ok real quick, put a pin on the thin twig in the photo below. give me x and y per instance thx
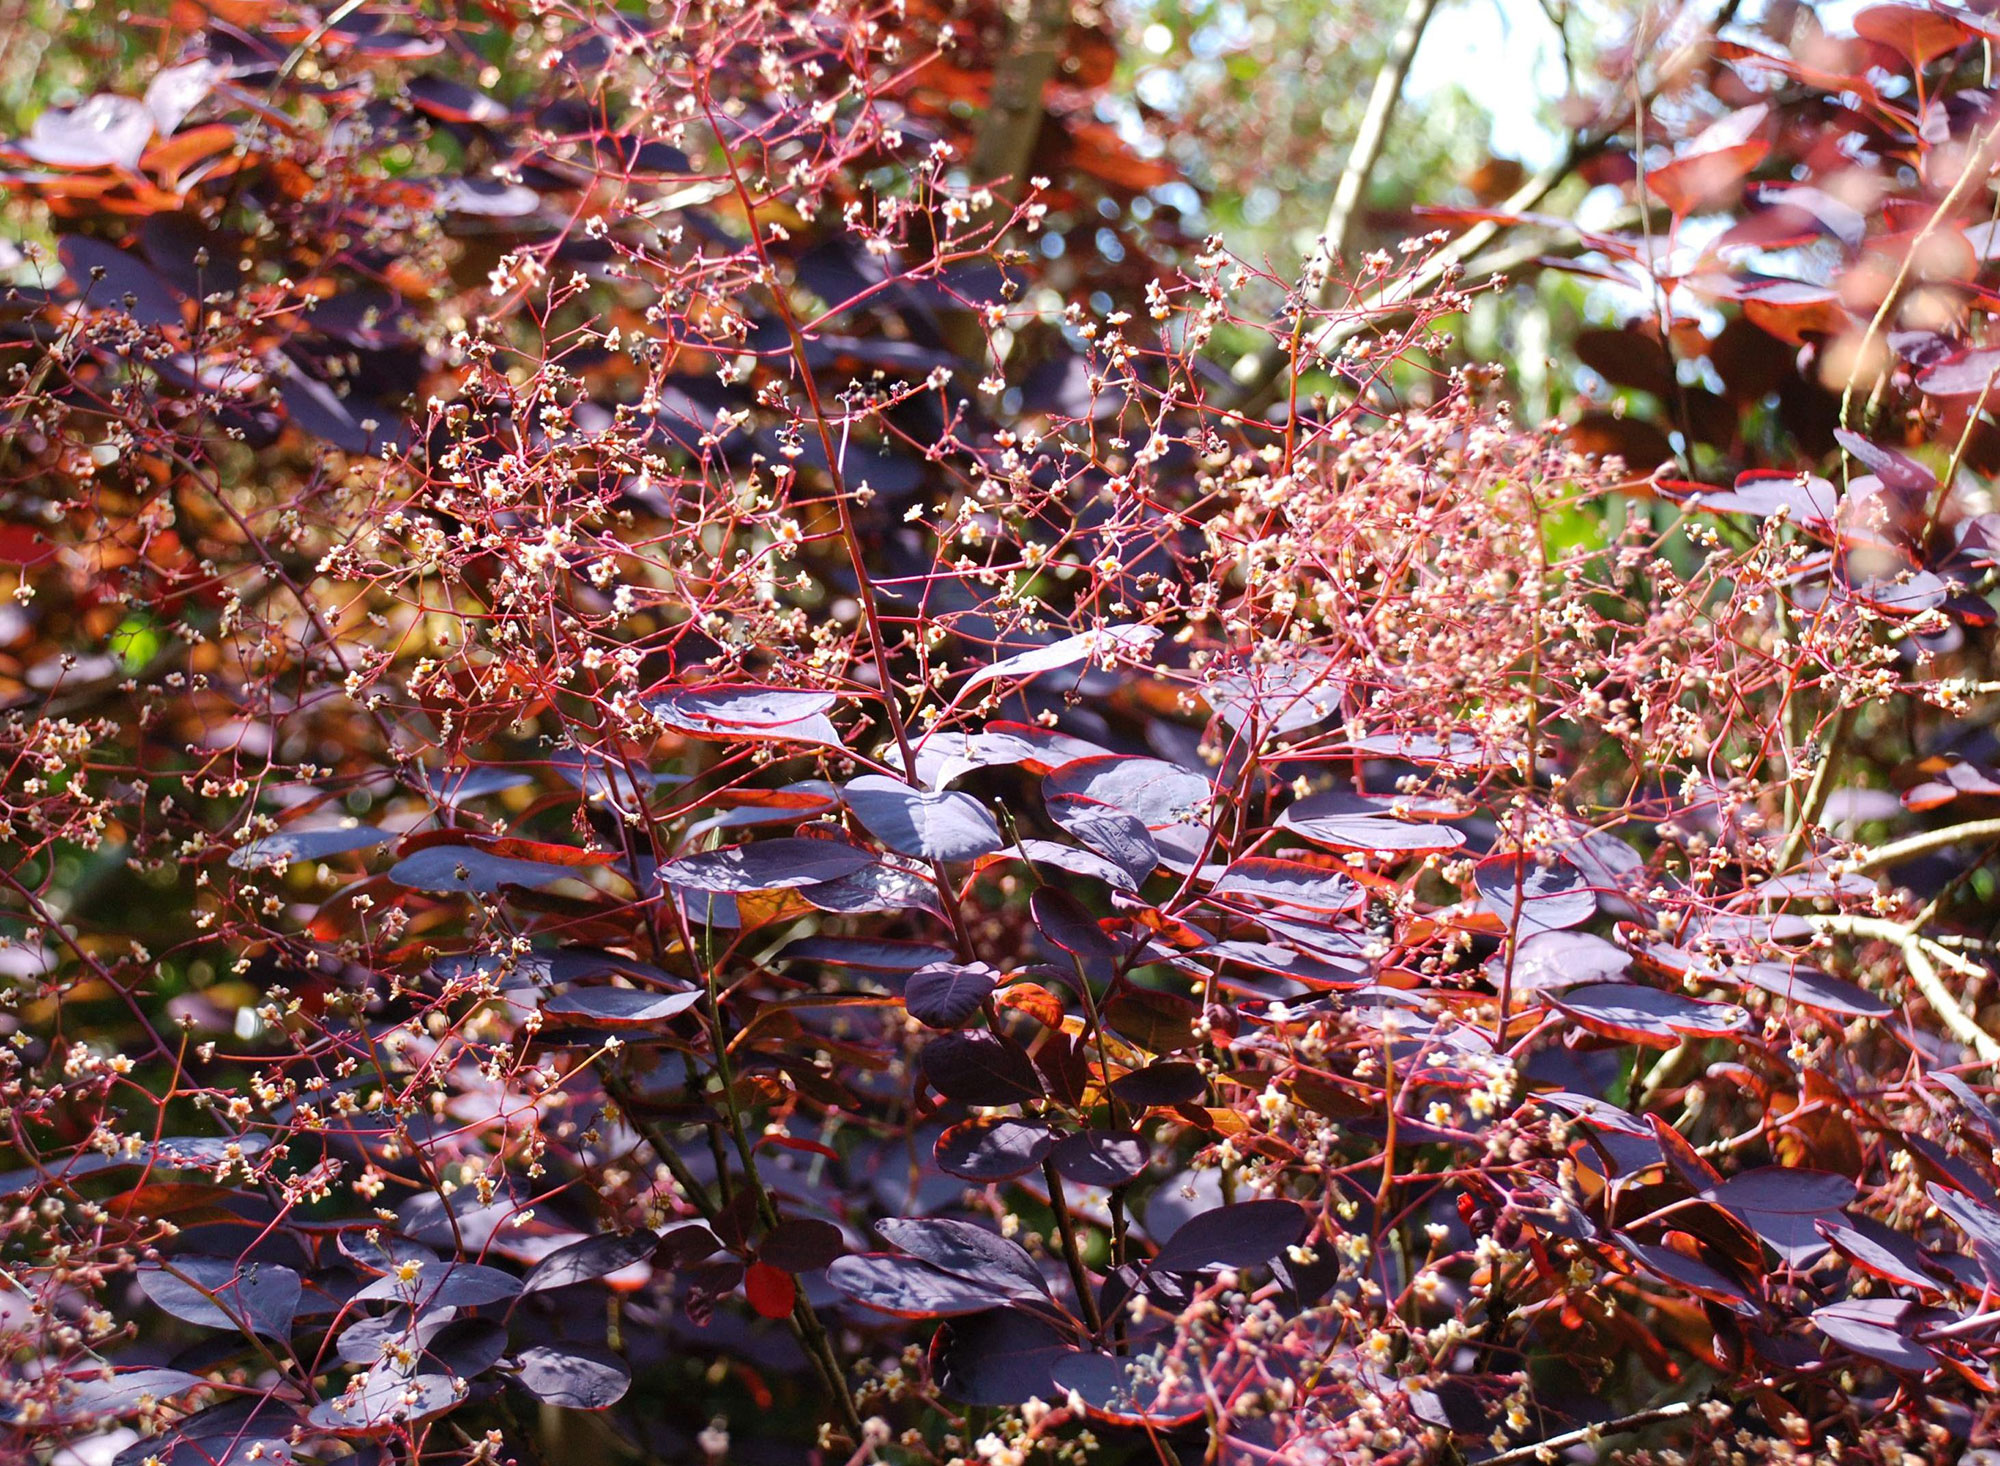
(1922, 956)
(1591, 1434)
(1881, 857)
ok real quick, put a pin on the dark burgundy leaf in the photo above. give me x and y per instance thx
(765, 865)
(865, 954)
(1547, 893)
(573, 1376)
(1130, 1391)
(946, 826)
(607, 1007)
(353, 425)
(110, 278)
(999, 1358)
(801, 1245)
(220, 1293)
(290, 845)
(1169, 1083)
(967, 1251)
(446, 868)
(1101, 1157)
(1643, 1015)
(1781, 1204)
(1288, 883)
(450, 101)
(987, 1150)
(591, 1258)
(1877, 1329)
(1062, 919)
(980, 1069)
(909, 1288)
(1239, 1236)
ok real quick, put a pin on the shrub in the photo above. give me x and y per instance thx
(650, 743)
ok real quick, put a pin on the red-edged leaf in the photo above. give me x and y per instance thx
(987, 1150)
(1648, 1016)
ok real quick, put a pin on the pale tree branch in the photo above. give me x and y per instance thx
(1005, 141)
(1923, 957)
(1881, 857)
(1256, 373)
(1367, 149)
(1590, 1435)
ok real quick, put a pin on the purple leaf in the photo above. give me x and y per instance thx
(1550, 894)
(967, 1251)
(221, 1293)
(1101, 1157)
(946, 826)
(573, 1376)
(1875, 1328)
(443, 1283)
(446, 868)
(1110, 832)
(801, 1245)
(1643, 1015)
(290, 845)
(770, 714)
(382, 1401)
(1341, 821)
(1278, 698)
(909, 1288)
(1812, 988)
(608, 1007)
(999, 1358)
(1239, 1236)
(1289, 883)
(1550, 960)
(1968, 374)
(1782, 1203)
(178, 90)
(1877, 1250)
(104, 131)
(765, 865)
(1105, 645)
(589, 1259)
(1130, 1391)
(1170, 1082)
(987, 1150)
(948, 994)
(980, 1069)
(1157, 793)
